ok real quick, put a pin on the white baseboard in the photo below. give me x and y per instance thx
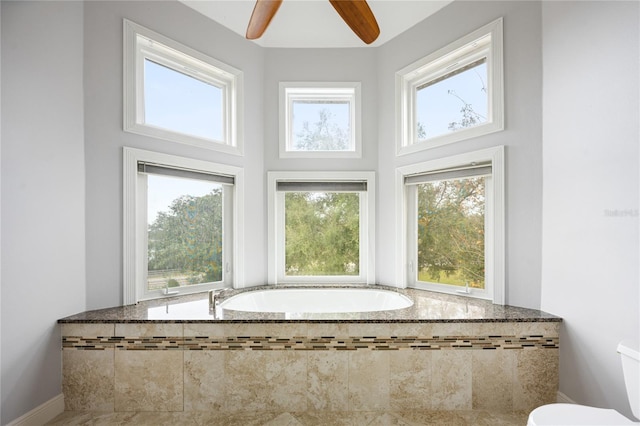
(42, 413)
(564, 398)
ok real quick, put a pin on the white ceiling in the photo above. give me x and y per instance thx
(314, 23)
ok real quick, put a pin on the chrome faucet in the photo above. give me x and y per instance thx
(214, 297)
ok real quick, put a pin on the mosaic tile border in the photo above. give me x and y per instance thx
(323, 343)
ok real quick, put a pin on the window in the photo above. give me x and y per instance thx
(320, 120)
(175, 93)
(453, 94)
(321, 227)
(454, 228)
(180, 225)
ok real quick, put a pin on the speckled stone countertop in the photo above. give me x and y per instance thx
(427, 307)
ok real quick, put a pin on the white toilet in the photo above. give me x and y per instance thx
(573, 414)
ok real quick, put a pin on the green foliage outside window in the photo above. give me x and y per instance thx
(322, 233)
(451, 232)
(185, 242)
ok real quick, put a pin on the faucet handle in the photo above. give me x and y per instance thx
(215, 294)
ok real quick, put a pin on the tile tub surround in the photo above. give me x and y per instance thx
(483, 357)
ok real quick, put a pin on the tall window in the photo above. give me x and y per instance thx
(321, 226)
(179, 224)
(453, 94)
(175, 93)
(454, 224)
(320, 120)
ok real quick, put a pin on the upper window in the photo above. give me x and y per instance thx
(321, 227)
(175, 93)
(453, 94)
(320, 120)
(179, 225)
(455, 226)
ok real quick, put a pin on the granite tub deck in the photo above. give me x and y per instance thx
(445, 353)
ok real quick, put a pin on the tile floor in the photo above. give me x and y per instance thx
(414, 418)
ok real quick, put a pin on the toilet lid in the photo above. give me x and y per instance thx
(574, 414)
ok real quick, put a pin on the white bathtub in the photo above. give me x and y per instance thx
(317, 300)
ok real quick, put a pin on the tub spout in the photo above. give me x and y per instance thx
(214, 297)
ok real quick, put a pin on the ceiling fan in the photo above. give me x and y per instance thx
(356, 13)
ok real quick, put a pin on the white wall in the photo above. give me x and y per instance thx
(43, 249)
(264, 68)
(105, 137)
(522, 134)
(45, 154)
(590, 156)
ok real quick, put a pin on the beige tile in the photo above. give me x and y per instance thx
(111, 419)
(492, 383)
(149, 330)
(484, 329)
(148, 380)
(284, 419)
(87, 330)
(286, 380)
(451, 379)
(165, 419)
(369, 329)
(546, 329)
(388, 419)
(265, 380)
(72, 418)
(453, 329)
(327, 329)
(327, 380)
(434, 418)
(488, 418)
(274, 418)
(271, 330)
(88, 379)
(204, 380)
(368, 380)
(333, 418)
(245, 383)
(411, 329)
(535, 378)
(410, 380)
(257, 418)
(208, 330)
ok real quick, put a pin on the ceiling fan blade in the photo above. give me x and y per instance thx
(358, 15)
(263, 12)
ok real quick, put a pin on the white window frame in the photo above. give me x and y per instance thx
(484, 42)
(135, 223)
(494, 223)
(331, 91)
(276, 257)
(141, 43)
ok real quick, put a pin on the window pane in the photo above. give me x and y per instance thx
(180, 103)
(321, 126)
(185, 232)
(322, 233)
(451, 232)
(456, 102)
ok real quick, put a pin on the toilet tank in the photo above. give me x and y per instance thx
(629, 351)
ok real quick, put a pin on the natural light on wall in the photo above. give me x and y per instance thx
(453, 94)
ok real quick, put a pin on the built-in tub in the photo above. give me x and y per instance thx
(442, 352)
(317, 300)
